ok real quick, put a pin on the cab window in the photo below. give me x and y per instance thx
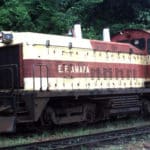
(139, 43)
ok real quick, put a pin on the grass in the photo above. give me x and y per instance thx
(67, 132)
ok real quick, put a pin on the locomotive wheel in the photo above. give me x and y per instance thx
(46, 118)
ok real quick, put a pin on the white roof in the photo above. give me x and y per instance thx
(31, 38)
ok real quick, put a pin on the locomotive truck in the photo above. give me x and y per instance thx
(57, 80)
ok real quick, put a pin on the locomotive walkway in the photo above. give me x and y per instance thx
(84, 141)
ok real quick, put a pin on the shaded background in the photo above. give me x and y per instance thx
(57, 16)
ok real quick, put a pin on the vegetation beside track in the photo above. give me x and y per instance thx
(63, 132)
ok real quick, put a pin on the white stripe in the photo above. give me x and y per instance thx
(82, 83)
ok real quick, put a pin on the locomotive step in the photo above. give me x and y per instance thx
(22, 112)
(20, 103)
(24, 119)
(3, 108)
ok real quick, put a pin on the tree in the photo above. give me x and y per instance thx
(57, 16)
(14, 16)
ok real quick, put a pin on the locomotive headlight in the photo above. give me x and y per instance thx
(7, 38)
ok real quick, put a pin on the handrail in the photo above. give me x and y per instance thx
(41, 66)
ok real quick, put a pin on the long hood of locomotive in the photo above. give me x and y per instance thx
(53, 62)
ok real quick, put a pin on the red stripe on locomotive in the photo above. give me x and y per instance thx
(85, 69)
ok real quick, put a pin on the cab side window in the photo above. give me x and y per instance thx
(139, 43)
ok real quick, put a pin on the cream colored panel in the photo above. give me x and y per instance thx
(82, 55)
(82, 83)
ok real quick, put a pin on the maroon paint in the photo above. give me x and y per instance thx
(107, 70)
(116, 47)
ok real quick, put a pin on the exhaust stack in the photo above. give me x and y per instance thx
(106, 35)
(77, 31)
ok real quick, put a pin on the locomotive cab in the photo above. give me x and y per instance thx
(138, 38)
(141, 40)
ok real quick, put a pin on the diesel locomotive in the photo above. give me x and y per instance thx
(57, 80)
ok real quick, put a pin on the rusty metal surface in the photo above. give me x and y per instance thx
(7, 124)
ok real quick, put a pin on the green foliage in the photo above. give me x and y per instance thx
(58, 16)
(14, 16)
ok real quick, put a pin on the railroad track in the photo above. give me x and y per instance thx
(86, 140)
